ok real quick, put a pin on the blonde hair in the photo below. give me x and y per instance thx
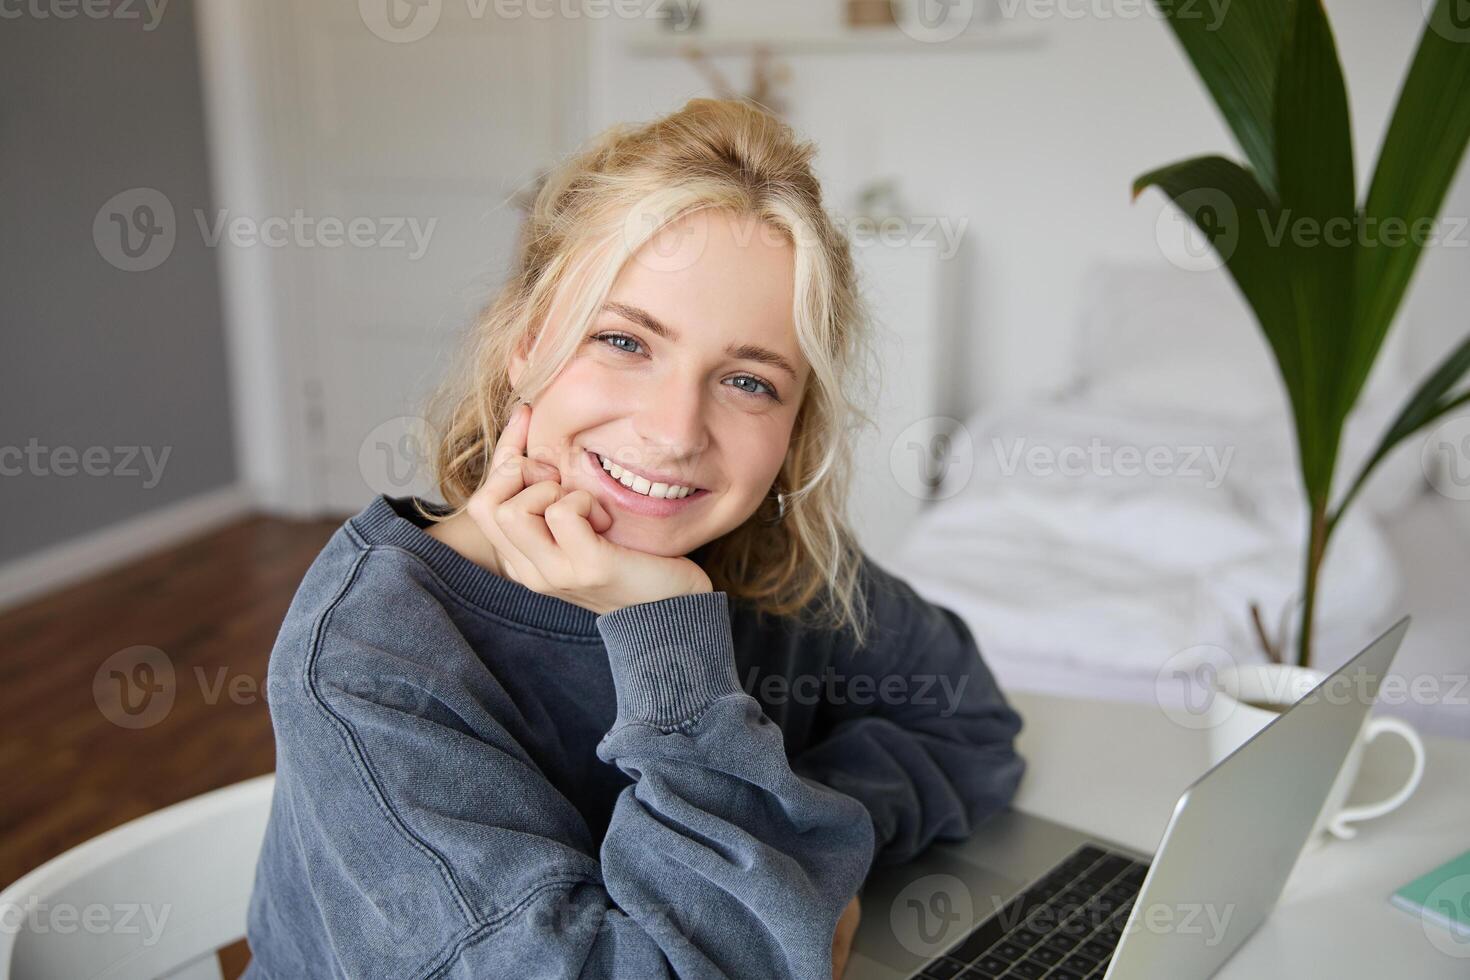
(590, 216)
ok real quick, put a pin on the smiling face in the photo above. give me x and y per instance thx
(687, 382)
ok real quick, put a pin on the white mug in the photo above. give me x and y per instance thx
(1232, 722)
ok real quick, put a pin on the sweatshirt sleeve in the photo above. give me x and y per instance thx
(433, 845)
(716, 823)
(922, 736)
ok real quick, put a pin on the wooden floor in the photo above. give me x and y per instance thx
(213, 607)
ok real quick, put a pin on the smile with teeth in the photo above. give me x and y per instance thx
(638, 484)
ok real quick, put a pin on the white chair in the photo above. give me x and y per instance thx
(156, 897)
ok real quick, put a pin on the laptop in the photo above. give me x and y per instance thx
(1029, 897)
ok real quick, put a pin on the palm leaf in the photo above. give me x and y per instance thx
(1434, 399)
(1314, 165)
(1325, 306)
(1419, 158)
(1231, 209)
(1236, 54)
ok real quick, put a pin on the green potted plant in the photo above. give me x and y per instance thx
(1323, 275)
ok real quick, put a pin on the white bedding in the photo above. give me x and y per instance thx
(1091, 579)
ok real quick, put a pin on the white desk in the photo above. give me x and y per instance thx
(1116, 770)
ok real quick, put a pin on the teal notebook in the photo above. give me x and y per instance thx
(1441, 895)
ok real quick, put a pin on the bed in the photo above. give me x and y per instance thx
(1130, 522)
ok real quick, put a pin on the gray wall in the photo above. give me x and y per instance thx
(98, 362)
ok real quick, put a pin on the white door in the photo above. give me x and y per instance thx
(408, 124)
(900, 460)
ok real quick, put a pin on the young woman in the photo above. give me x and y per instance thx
(631, 703)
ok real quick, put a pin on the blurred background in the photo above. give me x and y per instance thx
(241, 240)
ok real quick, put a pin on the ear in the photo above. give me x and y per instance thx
(518, 361)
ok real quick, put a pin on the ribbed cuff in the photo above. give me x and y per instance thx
(671, 658)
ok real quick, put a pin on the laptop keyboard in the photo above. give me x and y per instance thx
(1064, 927)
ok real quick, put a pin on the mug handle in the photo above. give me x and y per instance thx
(1338, 826)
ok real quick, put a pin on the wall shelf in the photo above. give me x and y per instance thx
(855, 40)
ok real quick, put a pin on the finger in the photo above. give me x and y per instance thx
(508, 473)
(515, 439)
(514, 474)
(596, 514)
(569, 520)
(482, 512)
(512, 441)
(524, 522)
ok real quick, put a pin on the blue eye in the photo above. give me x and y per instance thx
(769, 392)
(762, 389)
(619, 336)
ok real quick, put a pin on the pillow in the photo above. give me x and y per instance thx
(1167, 342)
(1159, 338)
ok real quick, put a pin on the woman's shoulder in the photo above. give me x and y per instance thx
(359, 569)
(897, 616)
(362, 606)
(889, 613)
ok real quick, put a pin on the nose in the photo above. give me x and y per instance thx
(670, 422)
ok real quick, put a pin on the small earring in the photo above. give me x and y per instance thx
(780, 509)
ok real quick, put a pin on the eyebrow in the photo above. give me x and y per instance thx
(748, 352)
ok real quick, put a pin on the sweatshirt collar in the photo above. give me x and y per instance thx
(393, 521)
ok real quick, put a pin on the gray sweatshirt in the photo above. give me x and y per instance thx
(476, 780)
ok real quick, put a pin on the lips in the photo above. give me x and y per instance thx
(652, 478)
(634, 502)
